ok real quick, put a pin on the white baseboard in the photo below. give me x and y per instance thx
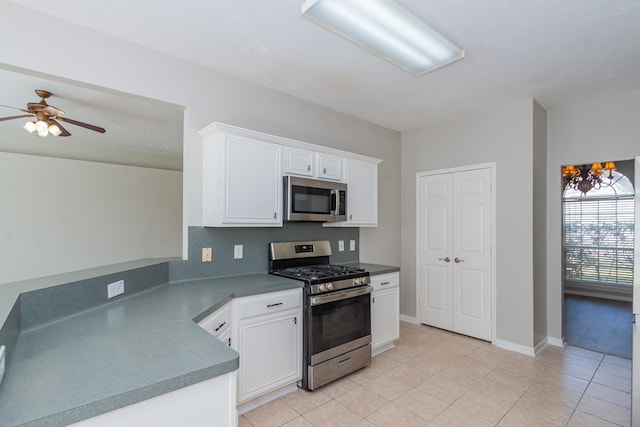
(530, 351)
(261, 400)
(542, 344)
(556, 342)
(518, 348)
(408, 319)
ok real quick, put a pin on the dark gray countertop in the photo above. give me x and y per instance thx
(126, 351)
(122, 352)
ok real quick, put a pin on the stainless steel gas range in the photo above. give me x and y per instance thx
(337, 310)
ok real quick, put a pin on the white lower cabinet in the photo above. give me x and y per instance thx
(269, 341)
(385, 311)
(218, 323)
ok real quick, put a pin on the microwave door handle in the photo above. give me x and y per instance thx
(335, 202)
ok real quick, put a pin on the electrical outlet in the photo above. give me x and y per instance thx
(114, 289)
(341, 245)
(2, 353)
(207, 254)
(352, 245)
(237, 251)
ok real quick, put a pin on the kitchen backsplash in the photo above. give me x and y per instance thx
(255, 242)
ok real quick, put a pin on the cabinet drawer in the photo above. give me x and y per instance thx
(218, 322)
(268, 303)
(385, 281)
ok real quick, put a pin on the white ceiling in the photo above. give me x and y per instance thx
(559, 52)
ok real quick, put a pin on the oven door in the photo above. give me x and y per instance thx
(338, 322)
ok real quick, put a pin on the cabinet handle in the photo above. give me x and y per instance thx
(373, 300)
(308, 168)
(295, 320)
(457, 260)
(447, 259)
(324, 170)
(229, 341)
(275, 215)
(350, 217)
(274, 305)
(384, 283)
(220, 326)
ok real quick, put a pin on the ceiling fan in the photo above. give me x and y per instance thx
(46, 118)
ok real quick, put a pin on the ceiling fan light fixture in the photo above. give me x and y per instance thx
(54, 129)
(387, 30)
(42, 128)
(29, 126)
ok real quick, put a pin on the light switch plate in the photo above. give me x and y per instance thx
(237, 251)
(207, 254)
(341, 245)
(352, 245)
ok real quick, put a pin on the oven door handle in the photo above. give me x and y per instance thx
(340, 295)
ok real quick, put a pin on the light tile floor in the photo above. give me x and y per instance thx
(437, 378)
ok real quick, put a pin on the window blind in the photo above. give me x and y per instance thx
(598, 240)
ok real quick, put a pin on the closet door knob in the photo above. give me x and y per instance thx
(447, 259)
(458, 260)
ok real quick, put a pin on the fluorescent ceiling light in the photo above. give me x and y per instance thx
(386, 29)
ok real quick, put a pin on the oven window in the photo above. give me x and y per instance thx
(340, 322)
(310, 200)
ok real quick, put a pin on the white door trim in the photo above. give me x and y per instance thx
(635, 355)
(492, 167)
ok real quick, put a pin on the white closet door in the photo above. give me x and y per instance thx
(471, 230)
(434, 250)
(454, 252)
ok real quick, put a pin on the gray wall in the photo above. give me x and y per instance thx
(255, 242)
(599, 131)
(61, 215)
(209, 96)
(504, 136)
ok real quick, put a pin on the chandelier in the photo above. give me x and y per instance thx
(583, 179)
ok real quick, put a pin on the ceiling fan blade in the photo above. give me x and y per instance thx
(15, 117)
(63, 131)
(15, 108)
(52, 111)
(81, 124)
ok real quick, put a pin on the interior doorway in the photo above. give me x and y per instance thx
(598, 256)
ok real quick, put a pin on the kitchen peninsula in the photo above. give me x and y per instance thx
(73, 355)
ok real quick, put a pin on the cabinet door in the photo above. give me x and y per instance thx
(253, 182)
(329, 167)
(362, 193)
(298, 162)
(270, 353)
(385, 317)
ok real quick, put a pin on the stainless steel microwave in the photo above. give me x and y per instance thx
(314, 200)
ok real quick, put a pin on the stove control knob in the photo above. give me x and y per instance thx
(321, 288)
(357, 281)
(329, 286)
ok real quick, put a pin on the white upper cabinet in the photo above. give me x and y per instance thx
(299, 162)
(242, 177)
(313, 164)
(362, 194)
(242, 182)
(329, 167)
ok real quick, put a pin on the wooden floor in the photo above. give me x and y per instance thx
(598, 324)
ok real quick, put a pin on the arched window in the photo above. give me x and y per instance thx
(598, 230)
